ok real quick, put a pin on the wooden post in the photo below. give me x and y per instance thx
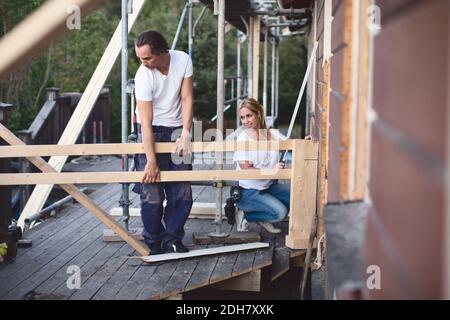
(256, 39)
(24, 167)
(303, 193)
(5, 167)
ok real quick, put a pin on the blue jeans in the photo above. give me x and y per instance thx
(152, 195)
(270, 205)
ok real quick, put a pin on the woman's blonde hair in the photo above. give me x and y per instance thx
(254, 106)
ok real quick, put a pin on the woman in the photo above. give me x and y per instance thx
(263, 201)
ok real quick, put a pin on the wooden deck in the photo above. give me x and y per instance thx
(111, 270)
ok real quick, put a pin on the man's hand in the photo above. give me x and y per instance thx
(281, 165)
(183, 144)
(151, 173)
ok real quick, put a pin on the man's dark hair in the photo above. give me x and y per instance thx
(155, 40)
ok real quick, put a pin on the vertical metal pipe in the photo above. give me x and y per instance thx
(250, 57)
(272, 91)
(266, 35)
(124, 108)
(238, 76)
(180, 24)
(277, 69)
(190, 40)
(220, 101)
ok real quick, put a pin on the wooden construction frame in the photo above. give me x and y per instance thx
(303, 176)
(82, 111)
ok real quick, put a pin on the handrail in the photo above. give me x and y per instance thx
(136, 176)
(137, 148)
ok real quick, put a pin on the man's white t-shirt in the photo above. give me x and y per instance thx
(164, 90)
(267, 159)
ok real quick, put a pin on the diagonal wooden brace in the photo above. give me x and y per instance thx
(98, 212)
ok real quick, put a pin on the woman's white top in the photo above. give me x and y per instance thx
(266, 159)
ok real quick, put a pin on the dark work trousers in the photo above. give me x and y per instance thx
(177, 194)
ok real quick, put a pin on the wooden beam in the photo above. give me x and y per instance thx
(204, 252)
(363, 97)
(37, 30)
(80, 197)
(136, 176)
(200, 210)
(250, 281)
(324, 147)
(233, 238)
(347, 125)
(137, 148)
(82, 111)
(255, 69)
(303, 194)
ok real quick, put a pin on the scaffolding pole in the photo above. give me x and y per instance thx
(220, 100)
(124, 200)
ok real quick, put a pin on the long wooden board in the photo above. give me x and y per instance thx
(37, 30)
(204, 252)
(135, 148)
(81, 112)
(136, 176)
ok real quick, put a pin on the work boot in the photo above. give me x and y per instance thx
(241, 222)
(176, 246)
(155, 248)
(269, 227)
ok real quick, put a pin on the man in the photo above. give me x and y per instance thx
(164, 95)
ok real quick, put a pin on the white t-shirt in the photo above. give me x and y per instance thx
(267, 159)
(164, 90)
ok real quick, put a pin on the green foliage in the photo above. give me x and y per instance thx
(71, 60)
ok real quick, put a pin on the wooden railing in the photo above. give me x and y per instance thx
(302, 174)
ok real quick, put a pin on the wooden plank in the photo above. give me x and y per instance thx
(137, 148)
(303, 196)
(67, 178)
(233, 238)
(37, 30)
(200, 210)
(160, 277)
(44, 231)
(263, 257)
(81, 259)
(54, 274)
(347, 126)
(179, 279)
(244, 263)
(324, 143)
(204, 252)
(137, 282)
(256, 26)
(201, 275)
(363, 96)
(117, 281)
(280, 265)
(102, 275)
(27, 267)
(78, 195)
(250, 281)
(82, 111)
(223, 268)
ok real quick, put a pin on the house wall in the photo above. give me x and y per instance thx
(406, 231)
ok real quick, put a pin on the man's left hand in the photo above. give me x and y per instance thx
(183, 144)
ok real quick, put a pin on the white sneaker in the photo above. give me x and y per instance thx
(241, 222)
(269, 227)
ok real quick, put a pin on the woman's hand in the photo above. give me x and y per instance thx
(281, 165)
(151, 173)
